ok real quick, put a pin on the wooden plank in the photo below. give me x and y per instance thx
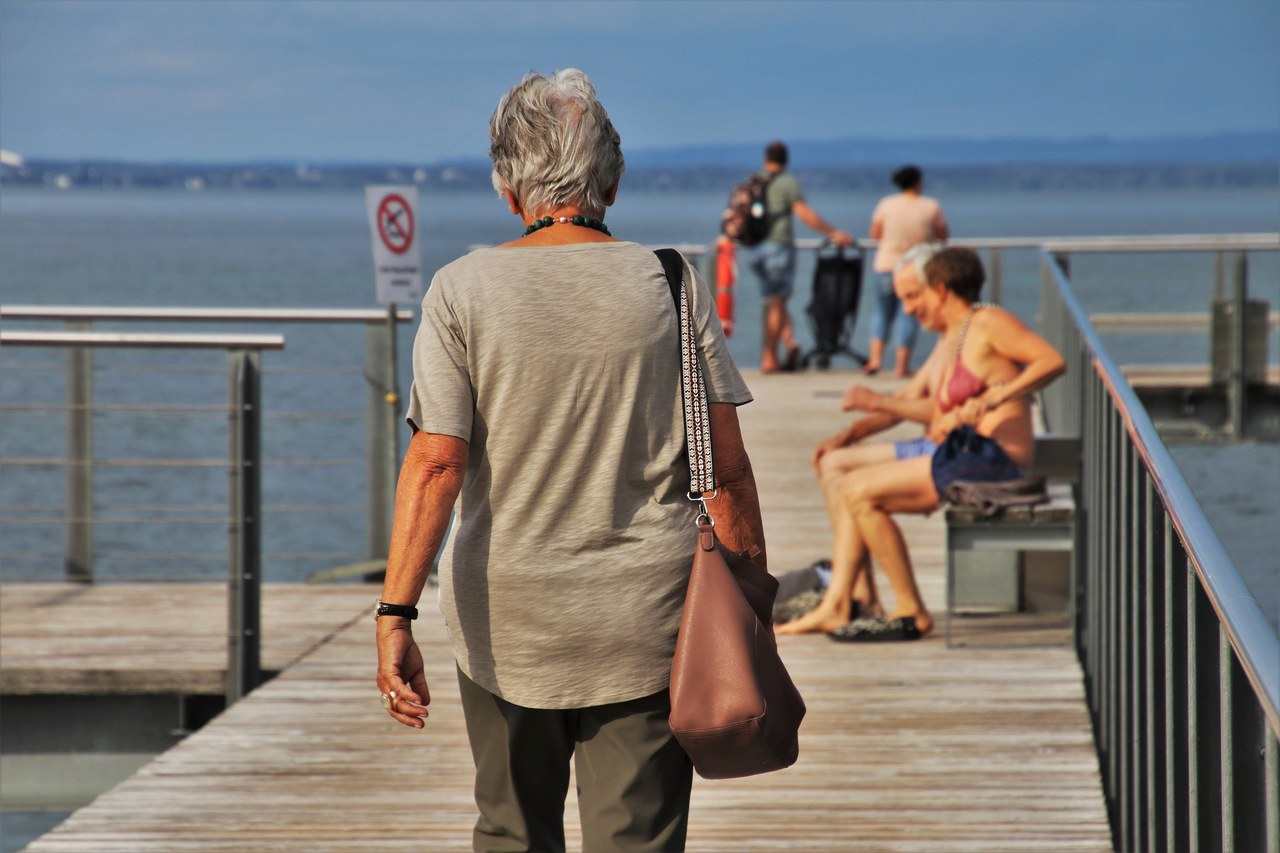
(906, 747)
(130, 638)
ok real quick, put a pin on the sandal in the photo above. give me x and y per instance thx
(877, 631)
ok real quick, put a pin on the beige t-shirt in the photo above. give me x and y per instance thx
(564, 574)
(907, 219)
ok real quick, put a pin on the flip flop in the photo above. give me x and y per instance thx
(877, 631)
(870, 371)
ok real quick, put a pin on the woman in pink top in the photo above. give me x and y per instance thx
(982, 373)
(900, 221)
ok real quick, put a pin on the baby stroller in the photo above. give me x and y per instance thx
(833, 306)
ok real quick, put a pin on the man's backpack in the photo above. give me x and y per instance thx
(746, 220)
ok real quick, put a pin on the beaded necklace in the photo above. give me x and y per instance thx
(584, 221)
(964, 327)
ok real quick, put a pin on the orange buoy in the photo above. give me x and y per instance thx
(726, 274)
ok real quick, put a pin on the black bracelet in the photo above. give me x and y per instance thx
(406, 611)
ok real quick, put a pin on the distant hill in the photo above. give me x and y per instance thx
(1243, 147)
(1247, 159)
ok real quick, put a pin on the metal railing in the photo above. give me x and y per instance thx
(1182, 668)
(244, 532)
(383, 424)
(1240, 345)
(994, 247)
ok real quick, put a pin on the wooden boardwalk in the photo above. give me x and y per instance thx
(141, 638)
(906, 747)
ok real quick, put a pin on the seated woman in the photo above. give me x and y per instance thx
(982, 373)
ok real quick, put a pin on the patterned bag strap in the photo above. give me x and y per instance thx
(697, 424)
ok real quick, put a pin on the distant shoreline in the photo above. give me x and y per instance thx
(1030, 177)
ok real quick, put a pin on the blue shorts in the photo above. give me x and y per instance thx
(912, 449)
(774, 265)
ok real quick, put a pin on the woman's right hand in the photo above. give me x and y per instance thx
(401, 679)
(823, 448)
(860, 398)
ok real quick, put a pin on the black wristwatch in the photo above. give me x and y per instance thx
(405, 611)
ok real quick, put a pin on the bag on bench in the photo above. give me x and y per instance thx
(994, 498)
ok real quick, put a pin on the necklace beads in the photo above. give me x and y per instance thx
(583, 221)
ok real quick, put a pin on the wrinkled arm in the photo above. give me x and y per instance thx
(430, 479)
(736, 508)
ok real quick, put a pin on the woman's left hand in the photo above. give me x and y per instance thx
(973, 411)
(402, 682)
(942, 427)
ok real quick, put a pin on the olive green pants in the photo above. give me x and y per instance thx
(633, 778)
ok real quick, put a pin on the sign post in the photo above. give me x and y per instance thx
(393, 230)
(397, 267)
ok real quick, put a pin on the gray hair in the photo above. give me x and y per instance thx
(919, 255)
(552, 144)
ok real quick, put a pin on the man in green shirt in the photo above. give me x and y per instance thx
(774, 260)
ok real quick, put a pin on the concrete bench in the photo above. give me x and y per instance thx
(1047, 527)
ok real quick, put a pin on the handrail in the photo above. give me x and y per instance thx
(1260, 241)
(244, 524)
(274, 315)
(1245, 623)
(380, 371)
(1181, 667)
(140, 340)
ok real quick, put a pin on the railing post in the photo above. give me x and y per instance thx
(1219, 276)
(995, 276)
(1237, 383)
(1271, 766)
(244, 667)
(79, 499)
(1063, 400)
(383, 430)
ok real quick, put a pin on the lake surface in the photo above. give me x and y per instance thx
(301, 249)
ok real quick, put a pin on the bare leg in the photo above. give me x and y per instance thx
(836, 608)
(900, 486)
(786, 332)
(902, 361)
(851, 577)
(775, 313)
(876, 356)
(835, 466)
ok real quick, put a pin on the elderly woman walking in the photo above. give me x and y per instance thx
(546, 403)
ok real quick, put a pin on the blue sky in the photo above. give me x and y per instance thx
(315, 80)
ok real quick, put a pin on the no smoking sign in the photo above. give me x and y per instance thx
(392, 226)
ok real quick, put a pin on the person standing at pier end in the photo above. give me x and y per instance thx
(900, 221)
(546, 402)
(774, 260)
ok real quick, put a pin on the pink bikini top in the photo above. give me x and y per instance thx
(963, 385)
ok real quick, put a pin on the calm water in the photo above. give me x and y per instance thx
(298, 249)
